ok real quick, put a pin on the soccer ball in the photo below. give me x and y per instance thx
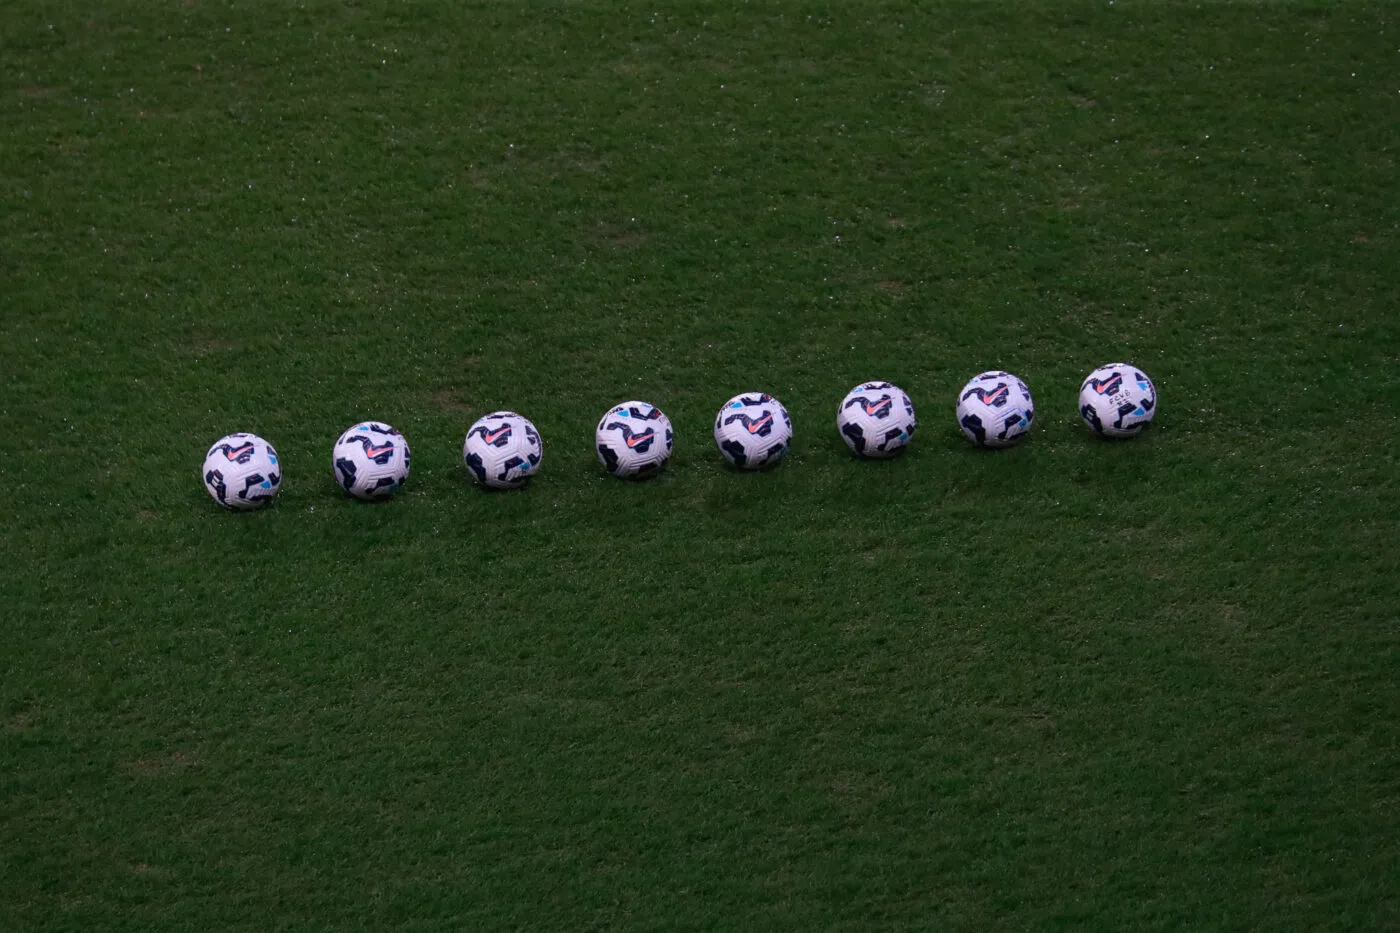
(241, 472)
(370, 461)
(995, 409)
(634, 440)
(1118, 400)
(753, 430)
(876, 419)
(502, 450)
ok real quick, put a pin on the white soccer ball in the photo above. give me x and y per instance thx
(241, 472)
(502, 450)
(1117, 400)
(876, 419)
(995, 409)
(634, 440)
(370, 460)
(753, 430)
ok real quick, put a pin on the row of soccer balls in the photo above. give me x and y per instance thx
(634, 439)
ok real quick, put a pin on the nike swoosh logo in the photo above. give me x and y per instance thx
(373, 451)
(636, 439)
(755, 426)
(871, 409)
(491, 438)
(237, 452)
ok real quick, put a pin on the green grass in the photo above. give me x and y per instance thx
(1115, 686)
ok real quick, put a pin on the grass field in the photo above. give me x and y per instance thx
(1150, 685)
